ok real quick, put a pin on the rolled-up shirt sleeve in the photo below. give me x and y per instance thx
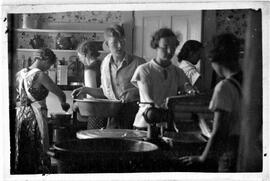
(140, 75)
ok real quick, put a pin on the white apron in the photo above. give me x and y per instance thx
(39, 108)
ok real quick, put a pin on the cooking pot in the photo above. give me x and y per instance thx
(67, 43)
(101, 155)
(61, 119)
(37, 42)
(98, 107)
(60, 134)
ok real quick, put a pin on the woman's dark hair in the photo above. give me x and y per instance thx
(88, 47)
(226, 49)
(45, 54)
(114, 31)
(161, 33)
(189, 46)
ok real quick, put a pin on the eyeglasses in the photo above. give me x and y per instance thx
(167, 48)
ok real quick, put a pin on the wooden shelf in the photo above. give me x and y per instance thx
(58, 31)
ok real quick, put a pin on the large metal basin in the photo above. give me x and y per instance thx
(105, 145)
(101, 155)
(98, 107)
(112, 133)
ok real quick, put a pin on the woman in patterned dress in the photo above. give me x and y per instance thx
(31, 132)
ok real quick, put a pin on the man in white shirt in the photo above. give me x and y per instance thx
(189, 61)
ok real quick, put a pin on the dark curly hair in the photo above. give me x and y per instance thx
(189, 46)
(161, 33)
(226, 49)
(45, 54)
(88, 47)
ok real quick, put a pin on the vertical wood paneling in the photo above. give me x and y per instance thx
(150, 24)
(180, 25)
(208, 31)
(186, 23)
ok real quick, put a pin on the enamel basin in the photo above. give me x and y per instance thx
(98, 107)
(105, 145)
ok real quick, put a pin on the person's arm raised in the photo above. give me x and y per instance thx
(45, 80)
(94, 92)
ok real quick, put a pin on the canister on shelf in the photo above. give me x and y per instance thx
(62, 72)
(29, 21)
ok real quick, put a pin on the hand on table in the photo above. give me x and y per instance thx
(78, 92)
(189, 160)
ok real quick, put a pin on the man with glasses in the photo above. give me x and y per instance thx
(117, 70)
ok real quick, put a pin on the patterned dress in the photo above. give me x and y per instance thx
(31, 124)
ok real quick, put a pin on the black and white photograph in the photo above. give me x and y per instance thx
(135, 90)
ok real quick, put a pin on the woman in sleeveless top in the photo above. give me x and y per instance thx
(88, 54)
(31, 132)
